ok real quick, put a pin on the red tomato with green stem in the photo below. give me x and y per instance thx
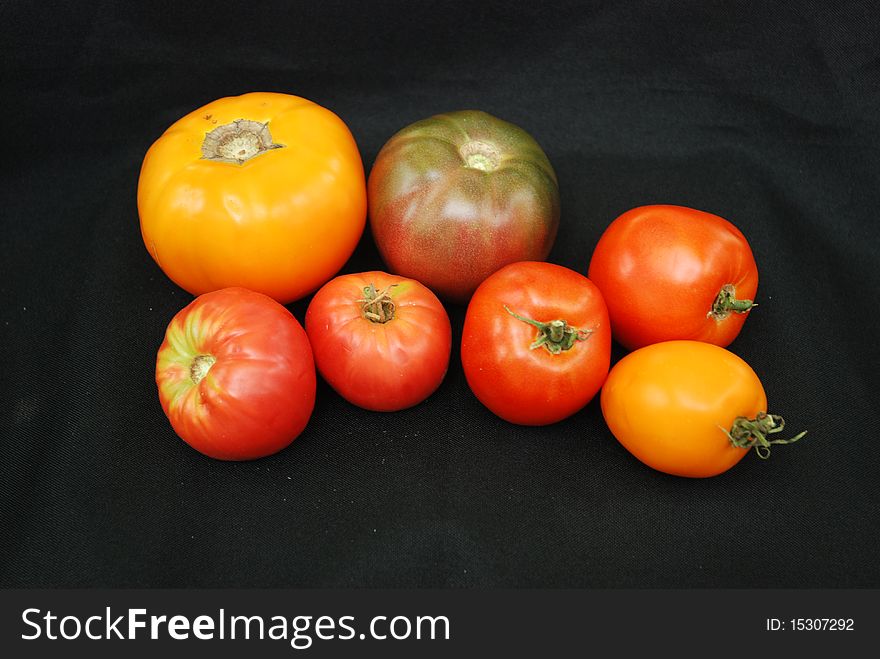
(381, 341)
(536, 343)
(236, 376)
(671, 272)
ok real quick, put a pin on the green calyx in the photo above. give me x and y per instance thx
(377, 306)
(555, 336)
(752, 433)
(726, 303)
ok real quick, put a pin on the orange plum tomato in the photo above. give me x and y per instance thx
(264, 191)
(236, 376)
(671, 272)
(536, 343)
(380, 340)
(688, 408)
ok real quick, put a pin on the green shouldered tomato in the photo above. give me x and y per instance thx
(457, 196)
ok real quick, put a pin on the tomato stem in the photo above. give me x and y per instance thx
(480, 155)
(554, 335)
(377, 306)
(200, 366)
(752, 433)
(727, 302)
(238, 142)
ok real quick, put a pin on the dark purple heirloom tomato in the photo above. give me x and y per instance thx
(457, 196)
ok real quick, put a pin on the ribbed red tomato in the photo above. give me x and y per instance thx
(536, 343)
(235, 375)
(671, 272)
(381, 341)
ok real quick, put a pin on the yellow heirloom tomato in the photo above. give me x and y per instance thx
(264, 191)
(689, 408)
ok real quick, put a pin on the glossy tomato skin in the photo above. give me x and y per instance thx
(258, 386)
(531, 385)
(669, 403)
(379, 366)
(282, 223)
(661, 268)
(457, 196)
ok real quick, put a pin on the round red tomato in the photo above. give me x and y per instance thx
(670, 272)
(689, 408)
(454, 197)
(536, 343)
(236, 376)
(381, 341)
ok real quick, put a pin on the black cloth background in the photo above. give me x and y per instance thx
(763, 113)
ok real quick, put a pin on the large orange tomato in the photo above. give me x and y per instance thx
(688, 408)
(263, 190)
